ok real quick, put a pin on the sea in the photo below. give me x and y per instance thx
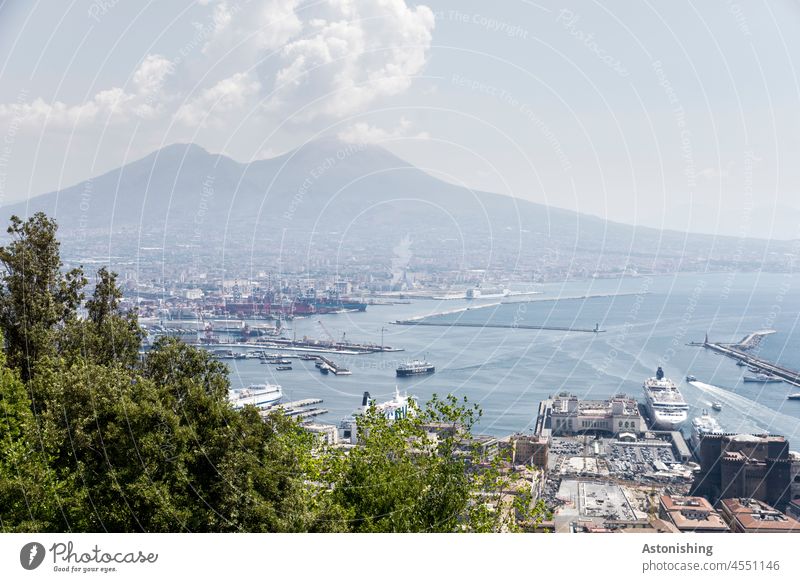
(645, 322)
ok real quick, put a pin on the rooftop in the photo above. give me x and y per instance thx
(755, 515)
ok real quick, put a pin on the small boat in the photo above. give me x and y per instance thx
(282, 368)
(308, 357)
(324, 368)
(691, 378)
(740, 363)
(716, 406)
(762, 378)
(795, 396)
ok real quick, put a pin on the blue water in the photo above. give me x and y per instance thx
(647, 323)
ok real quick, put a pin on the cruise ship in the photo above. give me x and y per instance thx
(701, 426)
(258, 395)
(664, 402)
(415, 367)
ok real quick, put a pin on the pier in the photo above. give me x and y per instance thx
(738, 351)
(595, 329)
(333, 366)
(297, 409)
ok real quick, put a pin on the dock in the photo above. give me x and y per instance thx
(334, 367)
(595, 329)
(301, 409)
(739, 351)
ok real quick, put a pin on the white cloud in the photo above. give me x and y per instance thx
(364, 133)
(144, 99)
(351, 53)
(231, 94)
(302, 60)
(251, 26)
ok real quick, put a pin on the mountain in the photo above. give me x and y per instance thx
(348, 202)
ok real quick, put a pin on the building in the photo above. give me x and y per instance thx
(793, 510)
(529, 450)
(745, 466)
(690, 514)
(794, 476)
(568, 415)
(746, 515)
(327, 433)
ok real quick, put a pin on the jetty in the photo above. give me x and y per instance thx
(740, 351)
(334, 367)
(302, 409)
(595, 329)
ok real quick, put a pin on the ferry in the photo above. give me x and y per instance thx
(394, 409)
(664, 402)
(762, 378)
(702, 426)
(415, 367)
(258, 395)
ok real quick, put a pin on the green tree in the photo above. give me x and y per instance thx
(426, 473)
(35, 296)
(108, 334)
(29, 492)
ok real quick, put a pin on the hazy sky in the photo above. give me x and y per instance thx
(676, 114)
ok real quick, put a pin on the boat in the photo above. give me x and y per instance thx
(740, 363)
(415, 367)
(762, 378)
(664, 402)
(308, 357)
(717, 406)
(691, 378)
(394, 409)
(702, 426)
(324, 368)
(279, 362)
(258, 395)
(795, 396)
(283, 368)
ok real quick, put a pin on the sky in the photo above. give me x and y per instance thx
(673, 114)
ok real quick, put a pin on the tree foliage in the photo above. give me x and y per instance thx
(35, 296)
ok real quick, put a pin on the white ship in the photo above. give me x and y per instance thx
(703, 425)
(394, 409)
(258, 395)
(664, 402)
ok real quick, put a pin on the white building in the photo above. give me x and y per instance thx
(616, 415)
